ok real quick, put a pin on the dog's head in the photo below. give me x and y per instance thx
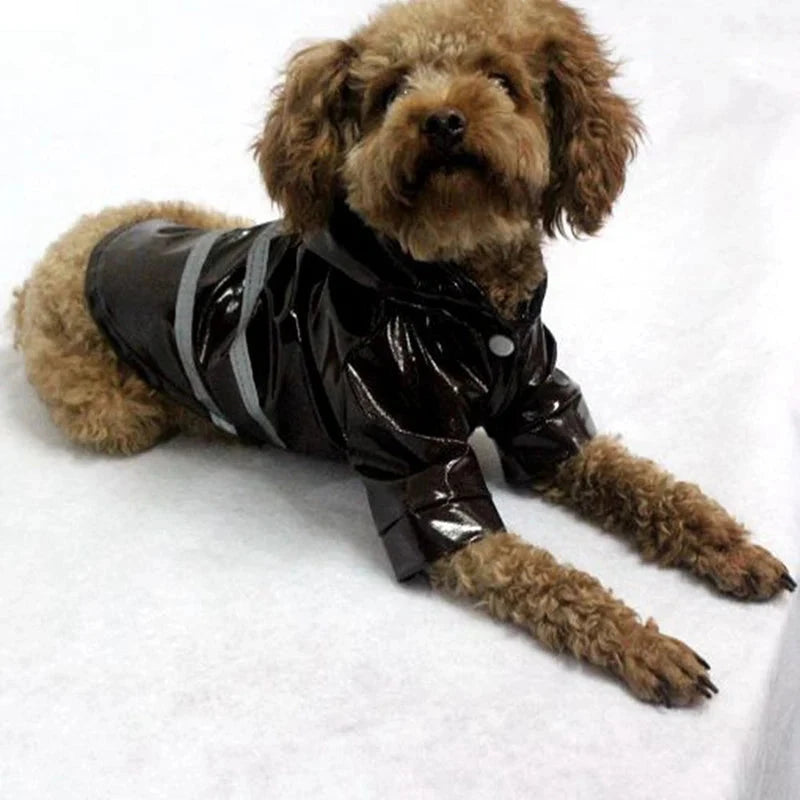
(450, 125)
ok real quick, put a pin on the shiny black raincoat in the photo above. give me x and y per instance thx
(341, 345)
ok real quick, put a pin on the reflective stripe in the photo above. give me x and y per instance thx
(255, 274)
(184, 325)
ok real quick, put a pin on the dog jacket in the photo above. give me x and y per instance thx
(341, 345)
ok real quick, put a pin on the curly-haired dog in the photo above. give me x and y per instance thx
(395, 309)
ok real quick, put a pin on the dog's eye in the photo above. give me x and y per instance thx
(393, 92)
(503, 81)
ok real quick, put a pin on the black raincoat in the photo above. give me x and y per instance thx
(341, 345)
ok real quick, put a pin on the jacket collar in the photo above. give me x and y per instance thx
(348, 244)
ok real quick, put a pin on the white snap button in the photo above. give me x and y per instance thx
(501, 345)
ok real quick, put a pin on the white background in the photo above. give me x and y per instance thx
(217, 622)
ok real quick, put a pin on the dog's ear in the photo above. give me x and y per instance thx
(305, 134)
(593, 131)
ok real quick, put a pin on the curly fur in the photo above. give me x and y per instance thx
(95, 399)
(550, 144)
(668, 521)
(545, 149)
(595, 132)
(306, 134)
(569, 610)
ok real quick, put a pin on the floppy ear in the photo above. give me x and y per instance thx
(593, 131)
(302, 146)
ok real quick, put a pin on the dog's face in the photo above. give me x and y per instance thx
(452, 125)
(452, 151)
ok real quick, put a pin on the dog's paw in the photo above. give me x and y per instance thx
(746, 571)
(663, 670)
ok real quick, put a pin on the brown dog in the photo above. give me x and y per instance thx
(457, 132)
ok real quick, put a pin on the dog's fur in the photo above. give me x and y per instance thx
(545, 150)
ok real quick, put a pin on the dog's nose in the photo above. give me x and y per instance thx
(445, 128)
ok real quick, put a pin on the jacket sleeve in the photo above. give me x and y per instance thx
(546, 423)
(407, 425)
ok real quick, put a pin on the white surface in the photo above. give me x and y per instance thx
(211, 622)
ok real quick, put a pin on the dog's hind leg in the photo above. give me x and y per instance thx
(668, 521)
(95, 399)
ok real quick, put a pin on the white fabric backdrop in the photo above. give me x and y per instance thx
(218, 622)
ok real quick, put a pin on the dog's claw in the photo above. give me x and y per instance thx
(706, 683)
(701, 661)
(788, 581)
(663, 693)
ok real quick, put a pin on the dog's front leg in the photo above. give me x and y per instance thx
(669, 521)
(569, 610)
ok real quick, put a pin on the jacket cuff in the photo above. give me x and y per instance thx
(536, 452)
(434, 512)
(417, 540)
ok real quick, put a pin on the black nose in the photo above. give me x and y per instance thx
(445, 128)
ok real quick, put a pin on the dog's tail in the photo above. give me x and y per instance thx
(18, 312)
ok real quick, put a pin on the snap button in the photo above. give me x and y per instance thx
(501, 345)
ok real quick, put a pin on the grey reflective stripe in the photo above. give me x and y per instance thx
(184, 324)
(255, 274)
